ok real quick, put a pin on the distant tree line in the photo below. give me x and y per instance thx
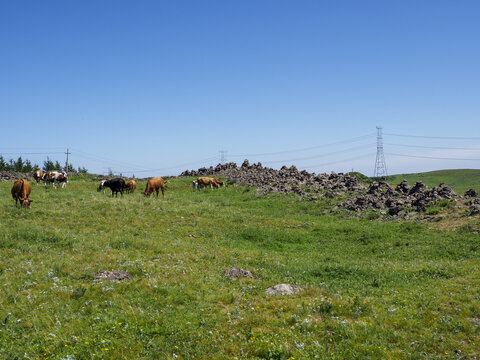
(23, 166)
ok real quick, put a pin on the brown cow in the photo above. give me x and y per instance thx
(38, 175)
(153, 185)
(204, 182)
(130, 186)
(21, 191)
(219, 182)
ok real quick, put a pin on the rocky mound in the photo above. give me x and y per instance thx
(381, 195)
(285, 180)
(471, 193)
(13, 175)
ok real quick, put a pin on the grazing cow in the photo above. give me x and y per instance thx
(45, 177)
(206, 181)
(130, 186)
(195, 185)
(21, 191)
(56, 177)
(38, 175)
(219, 182)
(153, 185)
(101, 187)
(116, 185)
(60, 179)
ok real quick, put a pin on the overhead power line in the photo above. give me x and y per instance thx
(435, 137)
(31, 153)
(173, 167)
(31, 148)
(342, 161)
(308, 148)
(434, 147)
(104, 160)
(322, 155)
(432, 157)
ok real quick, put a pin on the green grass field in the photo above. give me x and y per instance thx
(372, 289)
(460, 180)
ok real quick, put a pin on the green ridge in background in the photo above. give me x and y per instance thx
(459, 180)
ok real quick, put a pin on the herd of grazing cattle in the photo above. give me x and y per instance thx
(51, 177)
(21, 188)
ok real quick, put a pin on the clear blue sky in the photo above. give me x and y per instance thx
(154, 85)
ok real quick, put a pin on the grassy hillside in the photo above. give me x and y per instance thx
(460, 180)
(372, 289)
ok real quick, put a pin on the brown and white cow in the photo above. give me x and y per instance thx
(153, 185)
(130, 186)
(21, 191)
(56, 177)
(38, 175)
(206, 181)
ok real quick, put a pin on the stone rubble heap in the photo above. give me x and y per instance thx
(378, 196)
(13, 175)
(381, 195)
(471, 193)
(285, 180)
(474, 206)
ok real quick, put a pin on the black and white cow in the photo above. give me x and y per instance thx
(101, 187)
(116, 185)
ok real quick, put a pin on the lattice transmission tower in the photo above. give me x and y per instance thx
(380, 166)
(223, 157)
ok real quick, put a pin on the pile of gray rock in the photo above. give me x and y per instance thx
(471, 193)
(13, 175)
(474, 206)
(381, 195)
(285, 180)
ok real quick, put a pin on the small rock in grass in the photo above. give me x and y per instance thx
(283, 289)
(236, 272)
(112, 275)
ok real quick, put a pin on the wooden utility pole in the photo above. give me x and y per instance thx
(66, 163)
